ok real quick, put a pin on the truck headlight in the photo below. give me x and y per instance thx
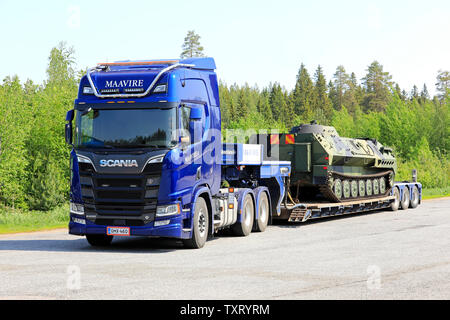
(162, 88)
(88, 90)
(157, 159)
(76, 208)
(170, 210)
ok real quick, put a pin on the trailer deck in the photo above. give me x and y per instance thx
(411, 192)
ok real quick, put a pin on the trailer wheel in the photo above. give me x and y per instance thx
(99, 240)
(396, 203)
(244, 227)
(263, 213)
(200, 226)
(405, 199)
(415, 198)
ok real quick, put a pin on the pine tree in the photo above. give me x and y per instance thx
(414, 93)
(424, 95)
(264, 106)
(303, 93)
(321, 100)
(341, 85)
(191, 46)
(377, 84)
(443, 83)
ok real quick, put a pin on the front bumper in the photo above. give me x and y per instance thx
(80, 226)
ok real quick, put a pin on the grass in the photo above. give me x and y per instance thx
(17, 220)
(436, 193)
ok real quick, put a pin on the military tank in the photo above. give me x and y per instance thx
(327, 166)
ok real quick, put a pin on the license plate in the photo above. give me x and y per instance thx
(118, 231)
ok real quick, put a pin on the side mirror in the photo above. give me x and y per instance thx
(68, 133)
(69, 116)
(68, 129)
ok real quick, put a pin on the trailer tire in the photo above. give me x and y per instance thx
(395, 205)
(263, 213)
(244, 227)
(415, 198)
(405, 199)
(99, 240)
(199, 226)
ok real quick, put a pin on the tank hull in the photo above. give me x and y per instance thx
(325, 165)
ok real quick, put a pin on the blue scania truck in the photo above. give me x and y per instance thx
(148, 158)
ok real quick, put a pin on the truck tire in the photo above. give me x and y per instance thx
(199, 226)
(244, 227)
(404, 203)
(263, 213)
(415, 198)
(396, 203)
(99, 240)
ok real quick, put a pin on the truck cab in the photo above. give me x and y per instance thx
(147, 154)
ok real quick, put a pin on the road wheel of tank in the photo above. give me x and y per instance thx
(362, 188)
(99, 240)
(391, 180)
(346, 191)
(369, 187)
(382, 183)
(354, 188)
(415, 198)
(396, 203)
(244, 227)
(337, 188)
(376, 187)
(404, 203)
(263, 213)
(200, 225)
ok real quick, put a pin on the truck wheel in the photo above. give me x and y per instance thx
(244, 227)
(200, 226)
(415, 198)
(263, 213)
(405, 199)
(99, 240)
(396, 203)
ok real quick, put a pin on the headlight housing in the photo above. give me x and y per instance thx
(170, 210)
(77, 209)
(162, 88)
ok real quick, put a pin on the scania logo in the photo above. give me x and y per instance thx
(118, 163)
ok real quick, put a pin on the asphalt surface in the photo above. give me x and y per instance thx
(382, 255)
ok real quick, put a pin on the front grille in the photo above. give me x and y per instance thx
(120, 199)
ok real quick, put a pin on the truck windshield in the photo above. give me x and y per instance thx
(126, 128)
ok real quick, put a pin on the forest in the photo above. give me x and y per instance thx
(34, 159)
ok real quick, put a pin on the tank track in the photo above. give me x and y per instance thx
(328, 193)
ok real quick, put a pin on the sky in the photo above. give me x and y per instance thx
(254, 42)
